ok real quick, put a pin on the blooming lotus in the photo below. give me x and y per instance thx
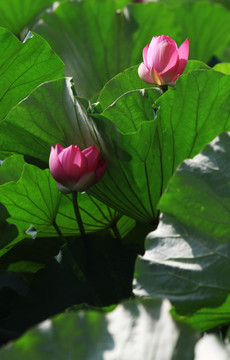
(163, 61)
(75, 170)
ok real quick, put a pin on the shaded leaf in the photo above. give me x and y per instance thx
(25, 266)
(139, 330)
(206, 318)
(13, 281)
(8, 232)
(53, 289)
(187, 257)
(30, 253)
(48, 116)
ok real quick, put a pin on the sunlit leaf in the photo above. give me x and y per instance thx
(16, 15)
(187, 257)
(140, 330)
(23, 66)
(99, 39)
(11, 169)
(34, 200)
(143, 159)
(207, 25)
(212, 347)
(223, 67)
(128, 81)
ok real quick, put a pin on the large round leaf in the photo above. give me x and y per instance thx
(187, 257)
(99, 39)
(16, 15)
(143, 153)
(207, 25)
(48, 116)
(23, 66)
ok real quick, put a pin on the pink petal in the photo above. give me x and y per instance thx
(151, 51)
(73, 162)
(157, 44)
(59, 148)
(167, 38)
(183, 56)
(145, 51)
(55, 165)
(92, 156)
(166, 58)
(145, 74)
(68, 154)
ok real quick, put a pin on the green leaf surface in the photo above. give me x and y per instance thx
(99, 39)
(95, 215)
(133, 162)
(143, 159)
(129, 81)
(195, 65)
(207, 25)
(25, 266)
(51, 115)
(34, 200)
(29, 254)
(23, 66)
(121, 84)
(16, 15)
(8, 232)
(138, 330)
(133, 108)
(206, 318)
(191, 116)
(223, 67)
(187, 257)
(11, 169)
(48, 116)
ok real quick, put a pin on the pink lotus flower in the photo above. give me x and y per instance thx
(75, 170)
(163, 61)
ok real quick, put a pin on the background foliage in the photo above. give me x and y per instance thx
(68, 75)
